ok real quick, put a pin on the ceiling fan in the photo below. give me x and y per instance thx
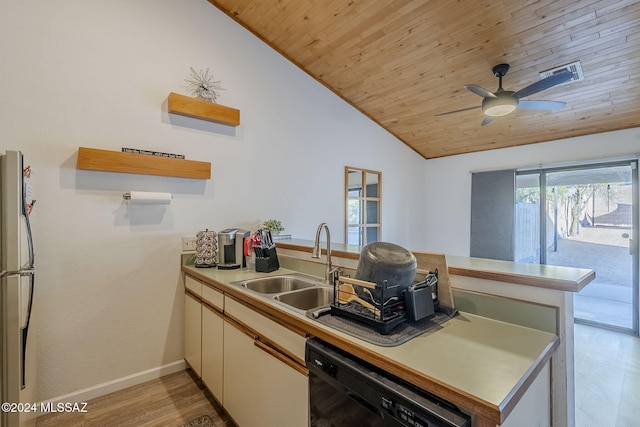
(502, 102)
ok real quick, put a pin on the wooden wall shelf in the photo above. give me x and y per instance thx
(199, 109)
(115, 161)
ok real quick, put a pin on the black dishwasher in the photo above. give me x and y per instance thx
(345, 391)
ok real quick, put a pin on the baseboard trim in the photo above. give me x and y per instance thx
(89, 393)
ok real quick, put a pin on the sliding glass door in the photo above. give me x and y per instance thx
(589, 219)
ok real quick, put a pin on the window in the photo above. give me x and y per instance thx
(363, 206)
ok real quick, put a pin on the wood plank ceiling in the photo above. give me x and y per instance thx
(401, 62)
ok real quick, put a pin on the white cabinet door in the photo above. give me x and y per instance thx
(193, 333)
(283, 391)
(212, 354)
(239, 376)
(261, 387)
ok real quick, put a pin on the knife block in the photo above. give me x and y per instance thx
(268, 263)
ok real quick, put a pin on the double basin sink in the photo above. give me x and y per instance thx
(296, 291)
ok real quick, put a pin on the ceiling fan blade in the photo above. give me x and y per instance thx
(541, 105)
(486, 120)
(457, 111)
(480, 91)
(544, 84)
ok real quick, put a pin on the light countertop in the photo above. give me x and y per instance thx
(545, 276)
(479, 364)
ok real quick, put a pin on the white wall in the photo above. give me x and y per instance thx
(449, 179)
(97, 74)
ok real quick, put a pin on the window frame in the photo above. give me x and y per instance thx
(363, 199)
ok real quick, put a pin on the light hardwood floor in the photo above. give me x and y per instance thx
(607, 370)
(170, 401)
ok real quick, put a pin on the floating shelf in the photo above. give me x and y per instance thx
(115, 161)
(199, 109)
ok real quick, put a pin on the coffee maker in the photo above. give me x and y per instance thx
(231, 248)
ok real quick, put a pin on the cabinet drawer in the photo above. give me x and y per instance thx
(193, 285)
(213, 297)
(289, 341)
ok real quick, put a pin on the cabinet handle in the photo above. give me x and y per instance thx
(212, 308)
(239, 326)
(188, 292)
(281, 357)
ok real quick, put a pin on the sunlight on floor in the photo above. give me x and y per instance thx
(607, 371)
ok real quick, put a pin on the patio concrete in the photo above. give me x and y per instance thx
(608, 299)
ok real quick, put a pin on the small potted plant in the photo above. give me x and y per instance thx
(273, 225)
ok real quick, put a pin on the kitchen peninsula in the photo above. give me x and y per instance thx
(531, 295)
(496, 371)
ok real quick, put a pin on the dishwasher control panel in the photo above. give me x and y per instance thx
(406, 415)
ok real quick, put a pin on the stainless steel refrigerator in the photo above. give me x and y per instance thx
(17, 287)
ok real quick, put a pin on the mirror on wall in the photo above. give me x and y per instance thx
(363, 206)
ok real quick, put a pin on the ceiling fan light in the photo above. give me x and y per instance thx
(501, 106)
(499, 110)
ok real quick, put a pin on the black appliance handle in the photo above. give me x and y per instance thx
(25, 330)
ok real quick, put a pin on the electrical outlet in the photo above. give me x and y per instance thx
(189, 243)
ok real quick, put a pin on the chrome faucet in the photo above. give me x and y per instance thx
(315, 252)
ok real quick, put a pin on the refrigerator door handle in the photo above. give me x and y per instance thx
(25, 329)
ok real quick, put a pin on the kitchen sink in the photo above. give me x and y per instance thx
(296, 291)
(308, 298)
(278, 284)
